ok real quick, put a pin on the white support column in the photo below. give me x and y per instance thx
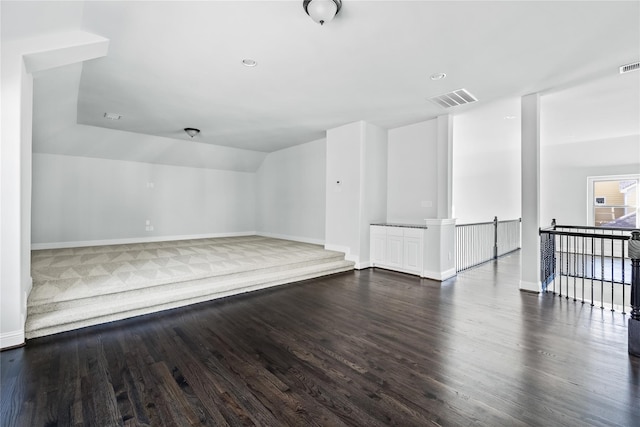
(445, 166)
(530, 158)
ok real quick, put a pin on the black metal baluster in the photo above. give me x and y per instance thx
(567, 270)
(612, 272)
(593, 266)
(561, 265)
(601, 273)
(553, 251)
(622, 242)
(575, 265)
(584, 239)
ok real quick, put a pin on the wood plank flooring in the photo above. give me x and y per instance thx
(364, 348)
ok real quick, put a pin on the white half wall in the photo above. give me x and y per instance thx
(412, 173)
(81, 199)
(291, 187)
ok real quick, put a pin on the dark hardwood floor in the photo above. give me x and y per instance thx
(367, 348)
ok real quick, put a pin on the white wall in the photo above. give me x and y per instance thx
(412, 173)
(21, 58)
(373, 186)
(80, 199)
(356, 177)
(486, 163)
(291, 193)
(564, 172)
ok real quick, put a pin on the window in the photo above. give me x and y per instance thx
(613, 201)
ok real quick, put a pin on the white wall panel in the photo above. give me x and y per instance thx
(412, 187)
(291, 192)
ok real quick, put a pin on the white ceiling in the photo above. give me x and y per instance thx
(178, 64)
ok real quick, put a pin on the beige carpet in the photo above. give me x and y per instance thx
(79, 287)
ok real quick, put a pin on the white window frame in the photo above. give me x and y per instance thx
(591, 204)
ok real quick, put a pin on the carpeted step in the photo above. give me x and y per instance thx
(64, 314)
(49, 291)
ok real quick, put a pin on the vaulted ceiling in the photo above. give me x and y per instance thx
(178, 64)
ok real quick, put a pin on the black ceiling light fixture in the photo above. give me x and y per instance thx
(322, 11)
(192, 131)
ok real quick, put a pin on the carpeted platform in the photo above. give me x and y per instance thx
(79, 287)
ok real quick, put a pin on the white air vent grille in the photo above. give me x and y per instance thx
(630, 67)
(453, 99)
(112, 116)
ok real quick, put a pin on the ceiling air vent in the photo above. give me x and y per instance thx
(630, 67)
(453, 99)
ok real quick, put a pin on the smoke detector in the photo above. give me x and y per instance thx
(630, 67)
(453, 99)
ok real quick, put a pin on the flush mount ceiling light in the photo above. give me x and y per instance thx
(192, 131)
(438, 76)
(322, 11)
(249, 62)
(112, 116)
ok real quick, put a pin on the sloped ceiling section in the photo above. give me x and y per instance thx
(55, 108)
(179, 64)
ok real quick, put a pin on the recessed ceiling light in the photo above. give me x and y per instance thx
(249, 62)
(112, 116)
(509, 117)
(438, 76)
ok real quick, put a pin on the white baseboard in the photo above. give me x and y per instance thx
(439, 275)
(362, 265)
(534, 287)
(293, 238)
(84, 243)
(12, 339)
